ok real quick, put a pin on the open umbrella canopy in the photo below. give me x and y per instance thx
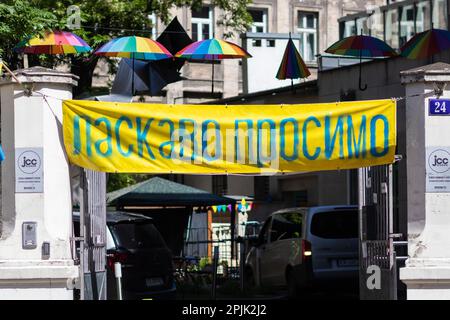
(426, 44)
(292, 65)
(134, 47)
(361, 46)
(212, 49)
(57, 42)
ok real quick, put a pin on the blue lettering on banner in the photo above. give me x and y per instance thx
(218, 139)
(373, 136)
(117, 131)
(305, 139)
(169, 143)
(142, 137)
(283, 124)
(108, 138)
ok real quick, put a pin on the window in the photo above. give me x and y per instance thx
(152, 18)
(137, 235)
(440, 14)
(261, 186)
(349, 28)
(423, 16)
(342, 224)
(406, 24)
(259, 23)
(286, 225)
(259, 20)
(202, 24)
(376, 25)
(296, 198)
(220, 185)
(307, 29)
(264, 233)
(391, 32)
(361, 26)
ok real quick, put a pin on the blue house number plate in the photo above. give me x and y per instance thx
(439, 107)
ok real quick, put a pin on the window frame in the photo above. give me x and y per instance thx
(203, 21)
(307, 31)
(264, 24)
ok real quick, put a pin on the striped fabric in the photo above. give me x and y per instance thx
(364, 46)
(292, 65)
(57, 42)
(212, 49)
(135, 48)
(426, 44)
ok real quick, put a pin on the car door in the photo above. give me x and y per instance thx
(263, 256)
(333, 234)
(285, 244)
(272, 254)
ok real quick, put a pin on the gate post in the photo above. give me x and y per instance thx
(36, 220)
(427, 270)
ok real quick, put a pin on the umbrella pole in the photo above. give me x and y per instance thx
(132, 75)
(361, 87)
(212, 83)
(150, 78)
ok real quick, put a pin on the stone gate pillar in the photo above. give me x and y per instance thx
(427, 271)
(36, 219)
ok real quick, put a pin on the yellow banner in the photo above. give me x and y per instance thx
(213, 139)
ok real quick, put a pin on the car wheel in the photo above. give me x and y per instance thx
(249, 280)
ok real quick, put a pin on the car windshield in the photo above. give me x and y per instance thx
(132, 235)
(286, 225)
(342, 224)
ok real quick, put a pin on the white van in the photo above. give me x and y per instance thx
(299, 248)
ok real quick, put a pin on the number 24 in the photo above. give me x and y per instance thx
(440, 108)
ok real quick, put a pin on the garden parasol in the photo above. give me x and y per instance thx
(426, 44)
(56, 42)
(362, 46)
(292, 65)
(134, 48)
(212, 49)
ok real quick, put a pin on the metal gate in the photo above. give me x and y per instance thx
(93, 231)
(378, 270)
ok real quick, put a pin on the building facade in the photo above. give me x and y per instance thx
(312, 22)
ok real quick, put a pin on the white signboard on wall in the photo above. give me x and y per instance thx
(267, 53)
(438, 169)
(29, 171)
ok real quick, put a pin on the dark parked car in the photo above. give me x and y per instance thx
(147, 269)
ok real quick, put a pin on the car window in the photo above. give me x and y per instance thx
(252, 229)
(286, 225)
(342, 224)
(132, 235)
(264, 233)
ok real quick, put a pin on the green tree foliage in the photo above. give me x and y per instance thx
(18, 20)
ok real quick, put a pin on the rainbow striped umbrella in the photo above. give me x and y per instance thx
(134, 48)
(292, 65)
(212, 49)
(361, 46)
(426, 44)
(57, 42)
